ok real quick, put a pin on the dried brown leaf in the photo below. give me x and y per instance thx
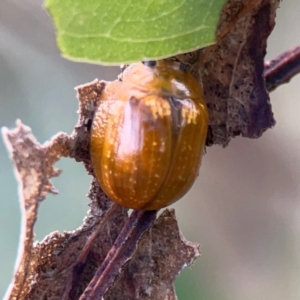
(232, 71)
(62, 265)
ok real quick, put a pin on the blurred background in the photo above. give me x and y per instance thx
(244, 208)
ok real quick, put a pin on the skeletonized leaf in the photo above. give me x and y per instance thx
(33, 165)
(62, 265)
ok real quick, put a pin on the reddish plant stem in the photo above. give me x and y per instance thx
(282, 69)
(119, 254)
(85, 251)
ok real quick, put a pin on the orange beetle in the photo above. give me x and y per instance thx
(148, 135)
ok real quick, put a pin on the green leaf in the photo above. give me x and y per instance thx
(115, 31)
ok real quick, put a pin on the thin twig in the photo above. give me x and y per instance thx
(282, 69)
(80, 263)
(119, 254)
